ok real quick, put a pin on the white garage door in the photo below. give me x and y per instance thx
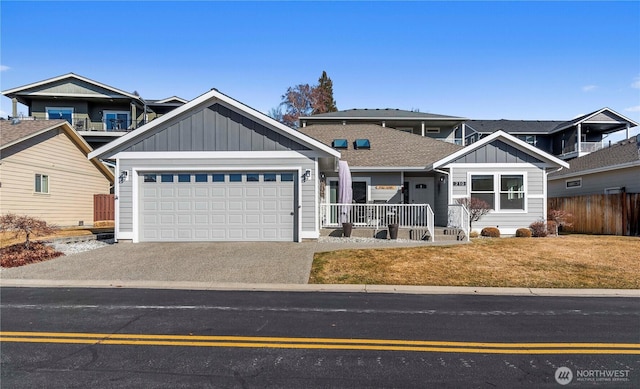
(234, 206)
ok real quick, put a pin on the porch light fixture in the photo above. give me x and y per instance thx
(442, 178)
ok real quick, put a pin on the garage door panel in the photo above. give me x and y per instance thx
(217, 211)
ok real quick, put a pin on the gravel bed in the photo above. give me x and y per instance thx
(79, 247)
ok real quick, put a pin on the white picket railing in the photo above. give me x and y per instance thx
(458, 217)
(377, 216)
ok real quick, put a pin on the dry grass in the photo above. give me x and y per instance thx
(569, 261)
(9, 239)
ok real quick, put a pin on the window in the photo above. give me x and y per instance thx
(235, 177)
(184, 177)
(217, 177)
(269, 177)
(201, 177)
(286, 177)
(503, 192)
(482, 188)
(166, 178)
(530, 139)
(511, 192)
(405, 129)
(362, 144)
(253, 177)
(42, 183)
(116, 120)
(570, 184)
(432, 130)
(60, 113)
(149, 178)
(340, 144)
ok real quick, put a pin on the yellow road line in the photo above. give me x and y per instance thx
(320, 343)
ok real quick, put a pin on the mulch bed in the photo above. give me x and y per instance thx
(17, 255)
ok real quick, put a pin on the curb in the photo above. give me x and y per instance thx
(323, 288)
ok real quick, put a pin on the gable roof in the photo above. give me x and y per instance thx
(513, 126)
(390, 149)
(508, 139)
(14, 91)
(378, 113)
(622, 154)
(172, 99)
(210, 98)
(587, 117)
(13, 134)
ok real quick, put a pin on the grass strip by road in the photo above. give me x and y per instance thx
(566, 261)
(319, 343)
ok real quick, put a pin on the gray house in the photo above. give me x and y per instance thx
(215, 169)
(612, 170)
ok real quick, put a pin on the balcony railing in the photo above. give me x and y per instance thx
(377, 216)
(84, 123)
(585, 147)
(455, 141)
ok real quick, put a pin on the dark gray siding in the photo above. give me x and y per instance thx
(497, 152)
(215, 128)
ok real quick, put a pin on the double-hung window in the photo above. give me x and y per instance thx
(503, 192)
(41, 183)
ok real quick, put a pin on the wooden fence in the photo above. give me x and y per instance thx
(103, 207)
(615, 214)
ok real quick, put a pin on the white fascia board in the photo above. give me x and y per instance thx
(243, 155)
(597, 113)
(179, 99)
(71, 75)
(595, 170)
(509, 139)
(209, 98)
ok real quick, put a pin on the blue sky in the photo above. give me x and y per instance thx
(481, 60)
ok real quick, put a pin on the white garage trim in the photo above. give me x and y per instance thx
(136, 171)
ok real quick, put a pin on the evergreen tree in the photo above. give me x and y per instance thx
(325, 102)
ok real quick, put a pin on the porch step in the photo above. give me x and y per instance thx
(441, 233)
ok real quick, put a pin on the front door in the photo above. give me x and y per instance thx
(421, 191)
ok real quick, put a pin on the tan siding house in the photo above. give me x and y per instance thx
(45, 172)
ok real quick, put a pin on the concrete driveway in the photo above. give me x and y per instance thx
(237, 262)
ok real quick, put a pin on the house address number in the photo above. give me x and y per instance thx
(459, 183)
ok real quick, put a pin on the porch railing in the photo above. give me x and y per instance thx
(458, 217)
(378, 216)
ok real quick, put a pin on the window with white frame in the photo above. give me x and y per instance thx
(41, 183)
(570, 184)
(65, 113)
(503, 192)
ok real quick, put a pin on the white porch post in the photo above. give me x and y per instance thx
(422, 124)
(384, 124)
(134, 116)
(628, 127)
(579, 140)
(14, 107)
(464, 130)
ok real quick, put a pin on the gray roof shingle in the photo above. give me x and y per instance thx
(10, 133)
(623, 152)
(389, 113)
(514, 126)
(389, 147)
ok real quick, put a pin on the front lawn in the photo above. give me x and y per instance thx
(567, 261)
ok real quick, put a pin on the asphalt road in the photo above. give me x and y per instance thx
(109, 338)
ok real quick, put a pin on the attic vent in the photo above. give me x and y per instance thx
(339, 144)
(362, 144)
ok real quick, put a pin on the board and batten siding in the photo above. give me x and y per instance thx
(214, 128)
(73, 180)
(507, 221)
(596, 183)
(308, 220)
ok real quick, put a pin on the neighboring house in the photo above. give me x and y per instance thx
(564, 139)
(441, 127)
(403, 168)
(612, 170)
(215, 169)
(45, 173)
(99, 112)
(561, 138)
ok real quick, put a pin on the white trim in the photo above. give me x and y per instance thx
(566, 183)
(316, 203)
(492, 165)
(386, 168)
(47, 108)
(210, 98)
(125, 236)
(147, 155)
(589, 116)
(497, 190)
(508, 139)
(116, 206)
(135, 222)
(65, 76)
(297, 235)
(179, 99)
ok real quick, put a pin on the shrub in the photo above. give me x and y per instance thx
(552, 227)
(18, 255)
(477, 208)
(491, 232)
(523, 233)
(561, 218)
(25, 225)
(538, 229)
